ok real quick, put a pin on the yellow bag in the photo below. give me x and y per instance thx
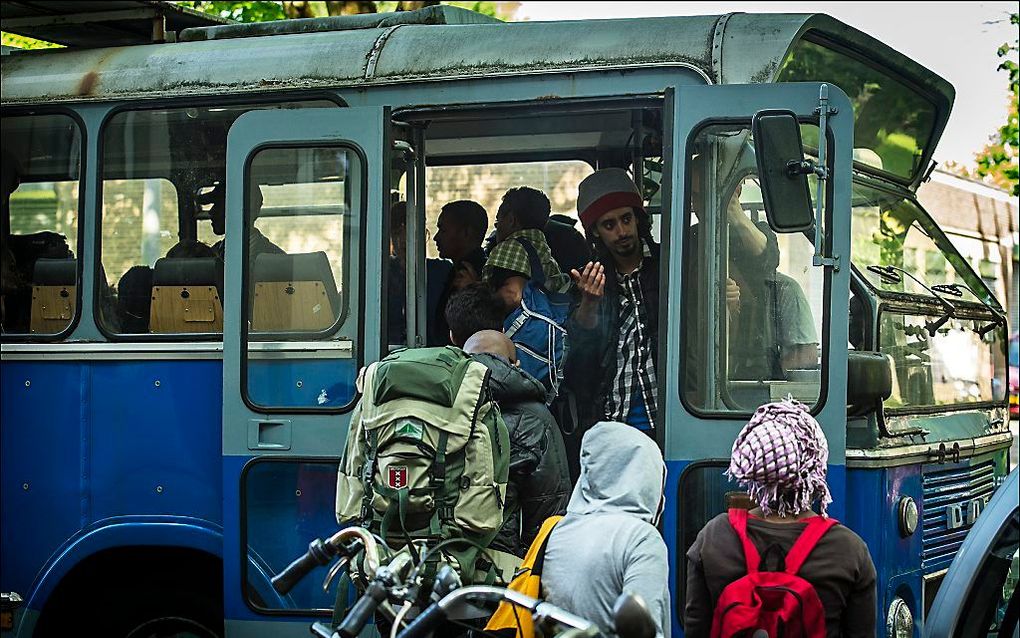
(527, 581)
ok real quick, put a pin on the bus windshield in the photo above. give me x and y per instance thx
(892, 122)
(890, 230)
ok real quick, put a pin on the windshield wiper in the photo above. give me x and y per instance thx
(892, 275)
(956, 290)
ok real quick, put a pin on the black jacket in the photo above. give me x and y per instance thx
(568, 246)
(539, 485)
(591, 361)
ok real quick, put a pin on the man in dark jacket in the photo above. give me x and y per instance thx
(614, 330)
(539, 485)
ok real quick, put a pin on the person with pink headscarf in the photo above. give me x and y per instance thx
(780, 457)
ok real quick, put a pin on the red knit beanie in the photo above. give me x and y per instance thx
(603, 191)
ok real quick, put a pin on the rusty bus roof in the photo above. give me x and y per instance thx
(448, 44)
(729, 49)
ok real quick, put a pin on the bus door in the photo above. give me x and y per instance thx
(753, 318)
(304, 270)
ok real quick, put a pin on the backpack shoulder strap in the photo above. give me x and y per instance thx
(537, 272)
(806, 542)
(539, 544)
(738, 519)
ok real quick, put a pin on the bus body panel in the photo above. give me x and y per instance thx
(117, 448)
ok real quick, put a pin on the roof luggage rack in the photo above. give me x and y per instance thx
(102, 24)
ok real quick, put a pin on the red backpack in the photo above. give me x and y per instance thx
(772, 604)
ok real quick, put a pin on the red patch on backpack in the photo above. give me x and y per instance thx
(396, 476)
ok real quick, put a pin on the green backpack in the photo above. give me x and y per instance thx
(427, 455)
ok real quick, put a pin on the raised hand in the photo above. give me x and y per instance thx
(591, 281)
(732, 296)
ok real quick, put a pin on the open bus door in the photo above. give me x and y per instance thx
(786, 334)
(304, 195)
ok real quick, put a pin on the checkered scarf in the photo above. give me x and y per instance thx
(780, 458)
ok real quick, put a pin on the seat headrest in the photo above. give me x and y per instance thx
(300, 267)
(55, 272)
(200, 271)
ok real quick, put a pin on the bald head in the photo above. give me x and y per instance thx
(491, 342)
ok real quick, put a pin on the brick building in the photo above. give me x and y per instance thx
(982, 222)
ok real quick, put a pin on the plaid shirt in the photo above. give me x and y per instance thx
(510, 255)
(635, 362)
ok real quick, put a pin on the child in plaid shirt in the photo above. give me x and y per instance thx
(521, 217)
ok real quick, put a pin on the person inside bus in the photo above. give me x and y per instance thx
(460, 230)
(13, 286)
(539, 484)
(257, 242)
(396, 323)
(472, 309)
(522, 215)
(134, 299)
(569, 247)
(19, 254)
(607, 543)
(770, 324)
(614, 328)
(436, 273)
(190, 249)
(780, 458)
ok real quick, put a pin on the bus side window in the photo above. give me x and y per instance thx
(41, 161)
(299, 221)
(163, 192)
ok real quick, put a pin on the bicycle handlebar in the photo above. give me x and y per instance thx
(424, 623)
(437, 612)
(363, 610)
(322, 552)
(319, 553)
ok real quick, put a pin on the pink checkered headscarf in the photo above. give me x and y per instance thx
(780, 458)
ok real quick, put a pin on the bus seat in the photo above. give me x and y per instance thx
(185, 297)
(54, 291)
(294, 292)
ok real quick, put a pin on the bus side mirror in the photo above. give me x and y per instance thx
(782, 171)
(868, 382)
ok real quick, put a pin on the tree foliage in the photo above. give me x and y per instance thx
(997, 162)
(24, 42)
(263, 11)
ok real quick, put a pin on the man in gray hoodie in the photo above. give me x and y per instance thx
(607, 544)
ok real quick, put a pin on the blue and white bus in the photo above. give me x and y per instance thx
(171, 424)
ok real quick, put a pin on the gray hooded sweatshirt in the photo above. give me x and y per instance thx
(607, 544)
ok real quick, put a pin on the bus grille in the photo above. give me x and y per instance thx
(948, 492)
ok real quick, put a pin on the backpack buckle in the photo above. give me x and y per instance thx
(437, 475)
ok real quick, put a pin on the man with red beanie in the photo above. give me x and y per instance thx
(614, 329)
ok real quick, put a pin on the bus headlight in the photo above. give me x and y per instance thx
(899, 622)
(908, 516)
